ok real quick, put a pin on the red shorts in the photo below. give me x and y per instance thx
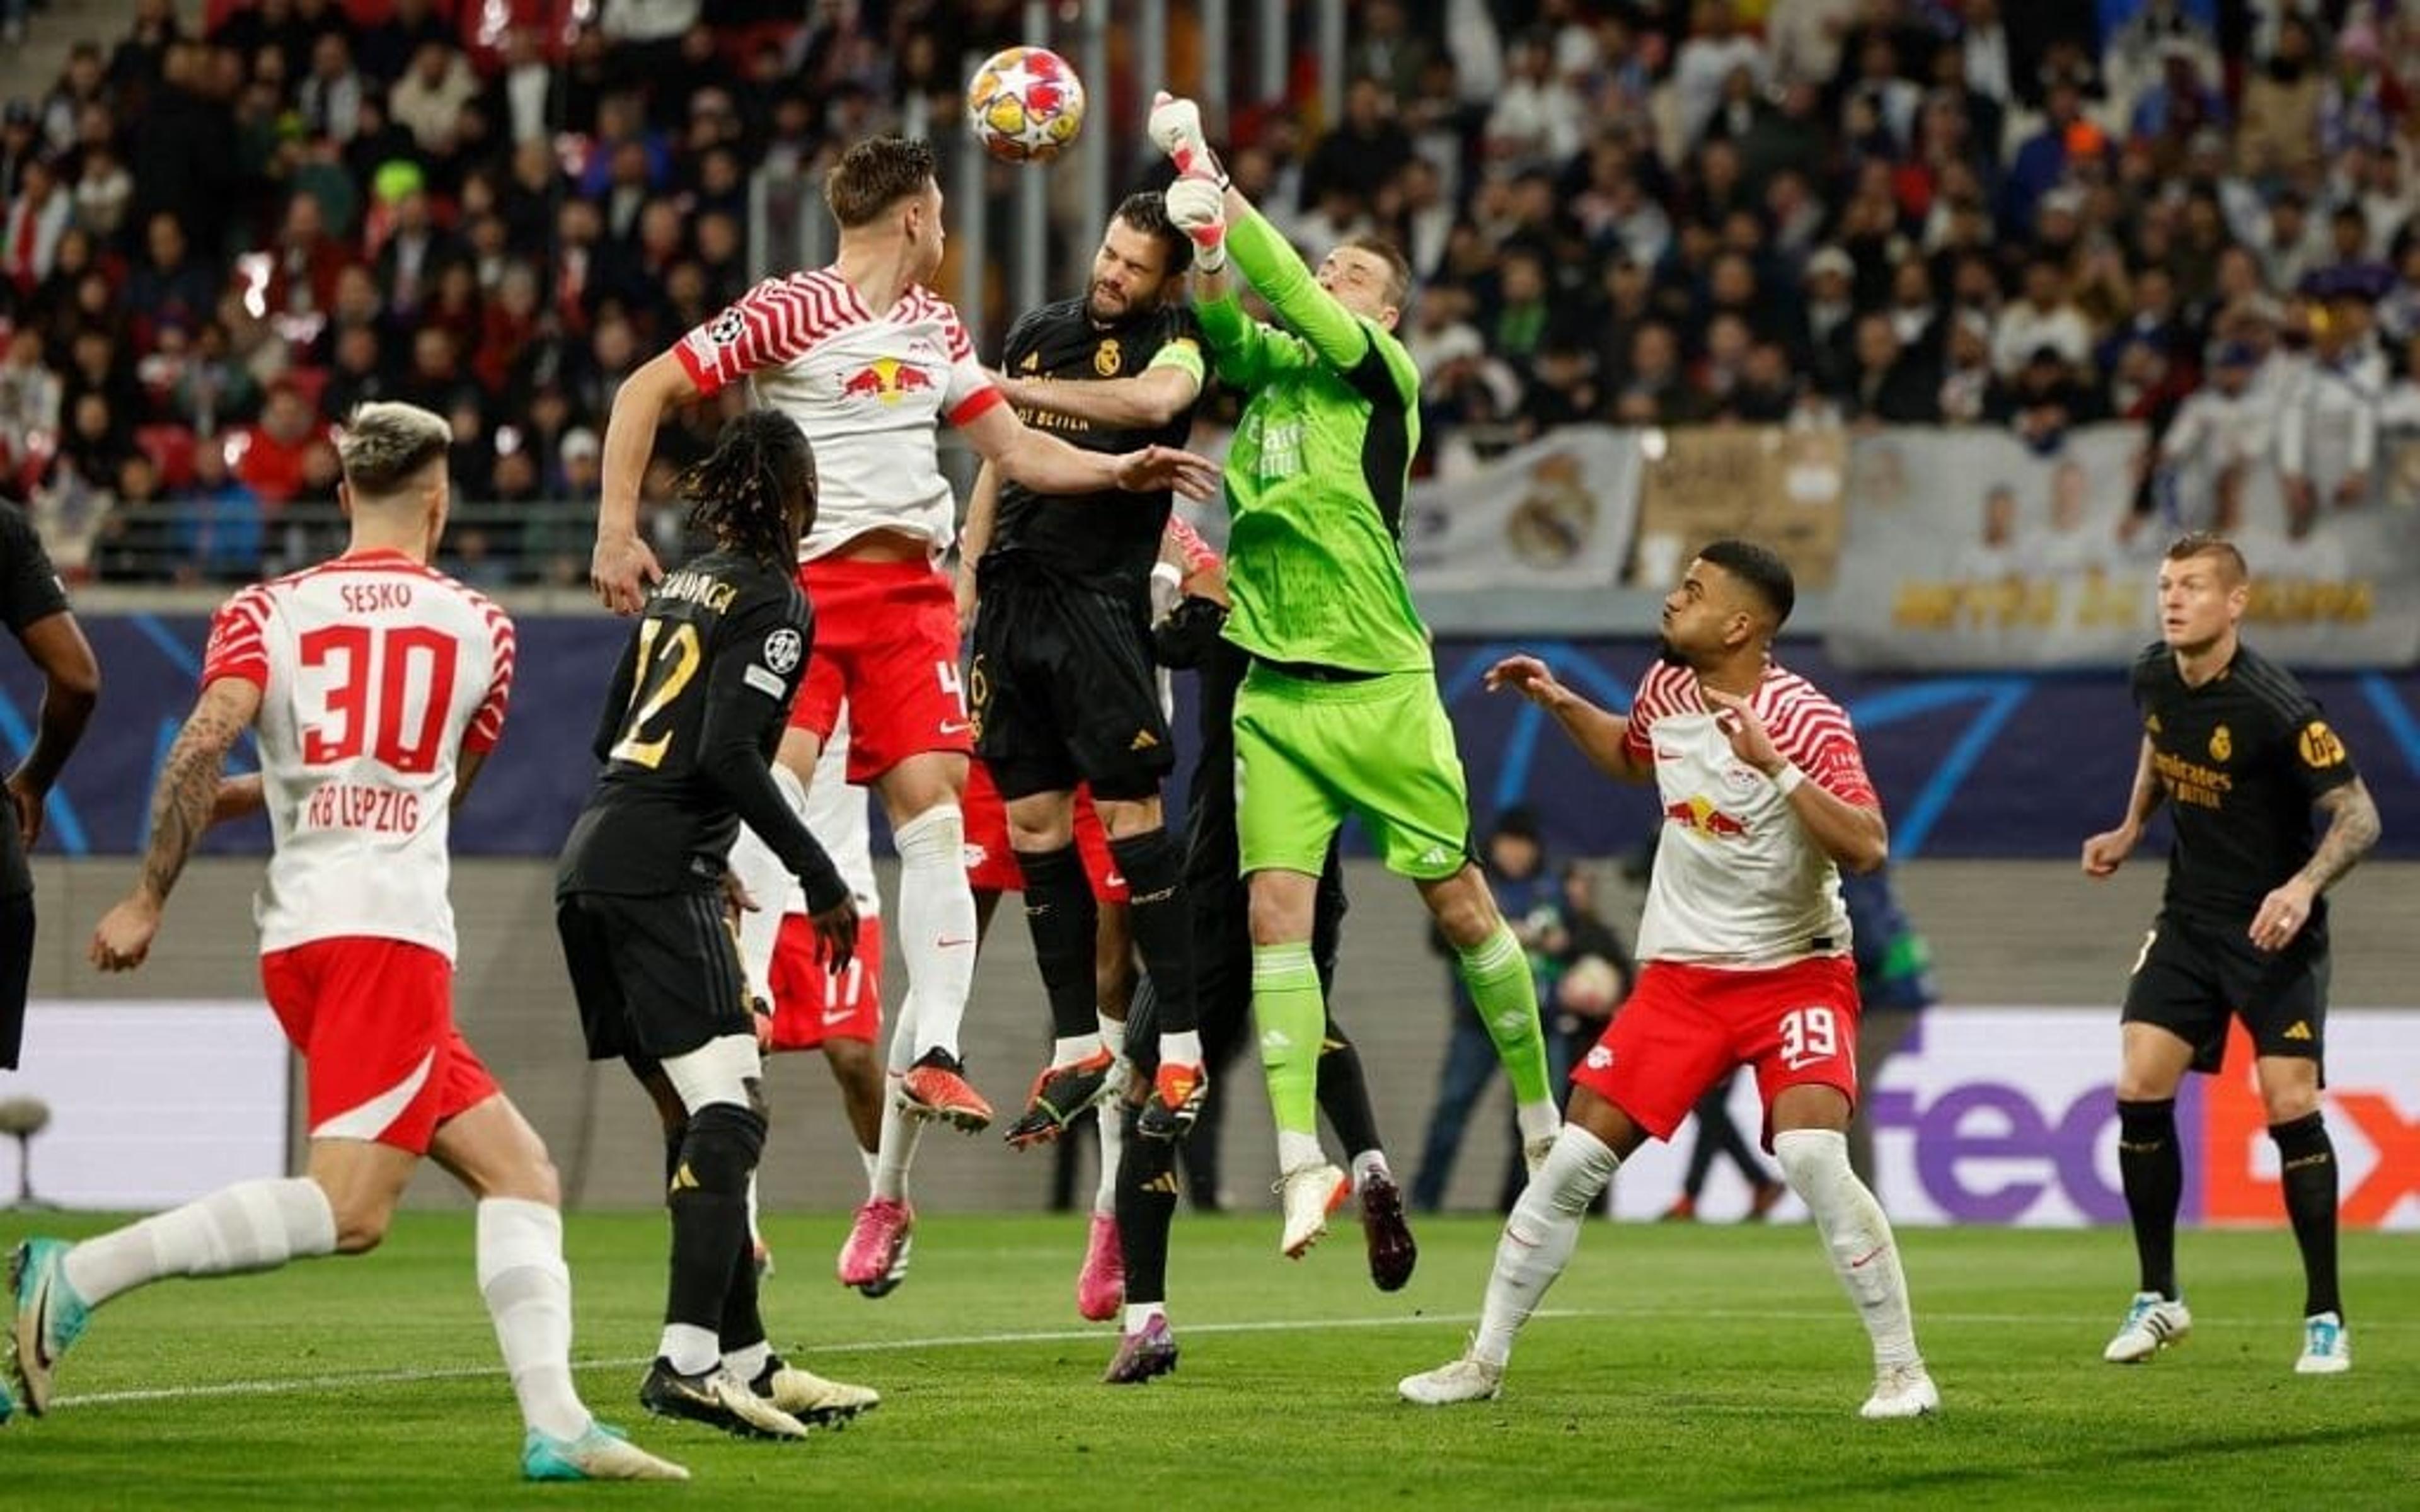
(811, 1004)
(1686, 1027)
(991, 865)
(374, 1019)
(887, 645)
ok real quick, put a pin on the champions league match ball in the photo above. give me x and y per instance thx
(1026, 105)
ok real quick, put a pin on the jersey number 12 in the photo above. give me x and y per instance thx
(663, 675)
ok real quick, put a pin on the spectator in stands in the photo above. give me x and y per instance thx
(215, 389)
(1890, 383)
(330, 96)
(219, 534)
(2044, 316)
(268, 457)
(33, 224)
(429, 100)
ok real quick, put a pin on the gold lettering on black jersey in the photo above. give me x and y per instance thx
(2222, 745)
(1032, 363)
(2191, 783)
(1107, 359)
(2319, 747)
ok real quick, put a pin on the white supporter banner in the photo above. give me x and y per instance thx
(2008, 1116)
(152, 1104)
(1557, 513)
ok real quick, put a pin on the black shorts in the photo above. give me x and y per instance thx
(2196, 973)
(16, 967)
(1063, 690)
(655, 977)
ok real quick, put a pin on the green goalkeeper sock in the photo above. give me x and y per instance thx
(1287, 1009)
(1496, 971)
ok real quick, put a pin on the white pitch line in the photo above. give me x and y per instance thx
(288, 1385)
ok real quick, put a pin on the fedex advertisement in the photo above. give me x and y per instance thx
(2008, 1116)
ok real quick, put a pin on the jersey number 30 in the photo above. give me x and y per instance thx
(663, 675)
(409, 667)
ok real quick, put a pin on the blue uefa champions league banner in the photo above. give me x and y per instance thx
(1968, 766)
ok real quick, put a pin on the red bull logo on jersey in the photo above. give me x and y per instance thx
(884, 380)
(1699, 813)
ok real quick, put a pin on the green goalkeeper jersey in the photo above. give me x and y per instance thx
(1316, 479)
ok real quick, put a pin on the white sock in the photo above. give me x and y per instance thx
(1295, 1150)
(749, 1361)
(1111, 1120)
(252, 1225)
(1140, 1313)
(1067, 1049)
(528, 1291)
(871, 1158)
(1113, 1034)
(692, 1349)
(1181, 1049)
(768, 881)
(900, 1133)
(755, 1231)
(1537, 1120)
(1858, 1234)
(1367, 1164)
(1538, 1237)
(937, 925)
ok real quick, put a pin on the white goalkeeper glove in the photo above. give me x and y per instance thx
(1175, 128)
(1198, 207)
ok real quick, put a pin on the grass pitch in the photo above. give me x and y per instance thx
(1698, 1366)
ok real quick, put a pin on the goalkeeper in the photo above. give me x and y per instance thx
(1340, 711)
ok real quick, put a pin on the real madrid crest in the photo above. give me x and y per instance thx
(1107, 359)
(2222, 745)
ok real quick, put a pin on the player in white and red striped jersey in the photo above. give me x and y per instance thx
(377, 687)
(868, 361)
(1745, 946)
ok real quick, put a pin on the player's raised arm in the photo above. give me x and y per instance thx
(1602, 735)
(1150, 398)
(974, 539)
(622, 567)
(1852, 834)
(1047, 464)
(2105, 853)
(181, 805)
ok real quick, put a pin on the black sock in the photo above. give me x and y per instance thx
(2307, 1161)
(1146, 1204)
(709, 1206)
(1059, 910)
(1344, 1092)
(2153, 1171)
(1154, 867)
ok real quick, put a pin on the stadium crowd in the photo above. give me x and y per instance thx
(2194, 214)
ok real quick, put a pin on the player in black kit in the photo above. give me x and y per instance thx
(1061, 686)
(35, 608)
(2241, 755)
(697, 707)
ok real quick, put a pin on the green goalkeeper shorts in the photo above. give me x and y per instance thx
(1307, 753)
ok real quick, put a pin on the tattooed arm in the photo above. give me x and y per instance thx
(182, 808)
(2353, 829)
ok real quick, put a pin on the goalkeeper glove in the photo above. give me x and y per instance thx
(1198, 207)
(1186, 637)
(1175, 128)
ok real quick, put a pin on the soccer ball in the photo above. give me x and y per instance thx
(1026, 105)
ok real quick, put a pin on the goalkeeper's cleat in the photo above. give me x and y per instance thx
(1059, 1093)
(935, 1088)
(718, 1399)
(808, 1398)
(1902, 1391)
(2327, 1346)
(878, 1290)
(1175, 129)
(876, 1242)
(1469, 1378)
(2152, 1323)
(599, 1454)
(1101, 1285)
(50, 1318)
(1175, 1101)
(1146, 1352)
(1306, 1194)
(1387, 1236)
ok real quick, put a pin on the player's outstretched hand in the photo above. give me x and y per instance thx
(2282, 916)
(836, 927)
(2105, 853)
(1526, 676)
(125, 936)
(1155, 468)
(1198, 207)
(736, 898)
(1751, 742)
(1175, 129)
(621, 569)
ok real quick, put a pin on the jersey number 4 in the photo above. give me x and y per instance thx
(386, 676)
(1808, 1035)
(663, 675)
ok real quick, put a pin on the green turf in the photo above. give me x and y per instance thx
(1716, 1366)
